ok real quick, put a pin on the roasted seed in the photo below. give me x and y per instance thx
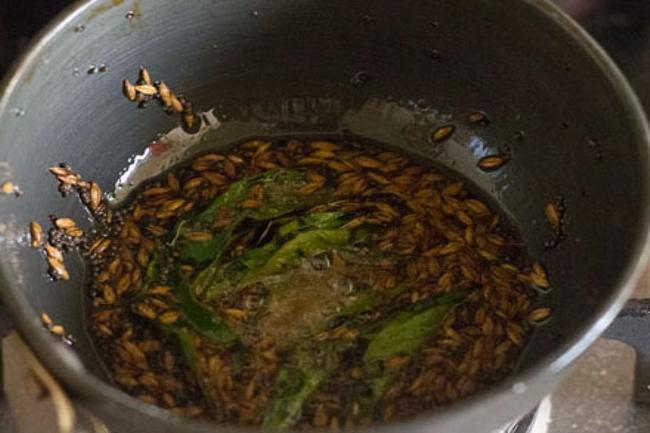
(539, 277)
(215, 178)
(173, 205)
(156, 191)
(36, 232)
(47, 321)
(146, 311)
(129, 90)
(443, 133)
(553, 215)
(492, 162)
(165, 94)
(477, 207)
(173, 182)
(58, 268)
(64, 223)
(169, 317)
(478, 117)
(99, 245)
(160, 290)
(74, 232)
(229, 169)
(146, 89)
(324, 145)
(198, 236)
(177, 105)
(95, 195)
(8, 188)
(368, 162)
(57, 330)
(539, 315)
(145, 77)
(123, 284)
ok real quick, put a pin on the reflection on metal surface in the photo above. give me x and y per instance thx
(166, 151)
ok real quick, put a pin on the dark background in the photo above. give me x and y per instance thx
(621, 26)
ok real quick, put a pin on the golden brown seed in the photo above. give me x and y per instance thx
(123, 284)
(95, 195)
(173, 205)
(173, 182)
(99, 245)
(385, 207)
(7, 188)
(160, 290)
(145, 77)
(188, 119)
(377, 178)
(324, 145)
(310, 161)
(310, 188)
(487, 255)
(170, 317)
(74, 232)
(443, 133)
(322, 154)
(45, 318)
(464, 218)
(58, 268)
(514, 333)
(59, 171)
(64, 223)
(477, 207)
(129, 90)
(165, 94)
(198, 236)
(368, 162)
(205, 161)
(553, 215)
(235, 159)
(109, 294)
(146, 89)
(478, 117)
(539, 277)
(492, 162)
(155, 191)
(156, 230)
(36, 232)
(215, 178)
(236, 313)
(262, 148)
(338, 166)
(193, 183)
(177, 105)
(57, 330)
(70, 179)
(450, 248)
(249, 204)
(146, 311)
(229, 169)
(539, 315)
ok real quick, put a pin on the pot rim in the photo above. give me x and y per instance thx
(67, 367)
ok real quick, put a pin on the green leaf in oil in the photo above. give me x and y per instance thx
(407, 332)
(204, 321)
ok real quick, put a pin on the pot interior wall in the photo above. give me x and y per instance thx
(286, 67)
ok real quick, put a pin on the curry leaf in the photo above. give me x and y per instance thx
(407, 332)
(204, 321)
(279, 192)
(304, 244)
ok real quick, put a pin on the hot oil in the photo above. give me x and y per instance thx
(411, 252)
